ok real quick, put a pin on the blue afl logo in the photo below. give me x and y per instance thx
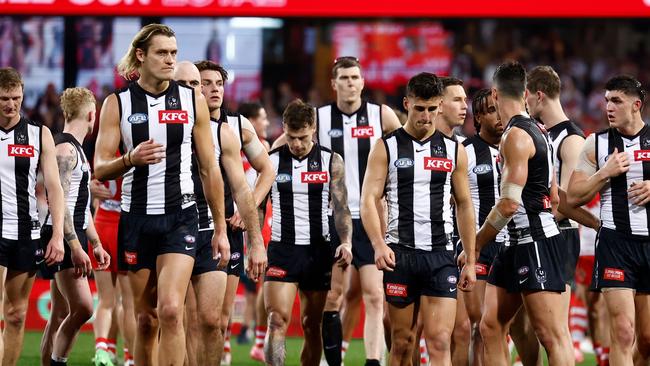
(234, 256)
(335, 133)
(283, 178)
(482, 169)
(403, 163)
(523, 270)
(452, 279)
(138, 118)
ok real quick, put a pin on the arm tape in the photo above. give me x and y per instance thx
(496, 219)
(511, 191)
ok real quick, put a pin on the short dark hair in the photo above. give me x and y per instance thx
(450, 81)
(299, 114)
(510, 79)
(250, 110)
(628, 85)
(544, 79)
(480, 106)
(210, 65)
(344, 62)
(424, 85)
(10, 78)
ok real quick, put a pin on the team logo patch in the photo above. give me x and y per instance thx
(131, 257)
(438, 151)
(642, 155)
(362, 120)
(173, 117)
(314, 177)
(523, 271)
(276, 272)
(363, 132)
(438, 164)
(190, 239)
(540, 274)
(481, 269)
(614, 274)
(403, 163)
(313, 165)
(234, 256)
(396, 289)
(21, 139)
(138, 118)
(283, 178)
(173, 102)
(482, 169)
(335, 133)
(21, 151)
(452, 279)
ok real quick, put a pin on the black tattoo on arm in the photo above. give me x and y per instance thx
(339, 197)
(66, 164)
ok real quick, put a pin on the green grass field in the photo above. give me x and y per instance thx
(84, 350)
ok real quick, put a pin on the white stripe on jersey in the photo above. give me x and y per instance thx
(588, 235)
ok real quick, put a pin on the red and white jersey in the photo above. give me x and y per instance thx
(588, 235)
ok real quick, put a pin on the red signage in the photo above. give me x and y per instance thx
(439, 164)
(331, 8)
(642, 155)
(396, 289)
(176, 116)
(363, 132)
(21, 151)
(314, 177)
(614, 274)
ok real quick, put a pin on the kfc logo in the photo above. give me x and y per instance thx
(642, 155)
(173, 117)
(396, 289)
(614, 274)
(314, 177)
(21, 151)
(363, 132)
(439, 164)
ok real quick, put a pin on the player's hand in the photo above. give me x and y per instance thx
(220, 249)
(81, 262)
(99, 190)
(385, 258)
(617, 164)
(256, 263)
(467, 277)
(146, 153)
(639, 192)
(102, 257)
(343, 255)
(235, 221)
(54, 251)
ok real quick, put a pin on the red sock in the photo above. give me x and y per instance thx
(101, 343)
(260, 334)
(110, 343)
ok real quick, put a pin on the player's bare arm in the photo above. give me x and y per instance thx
(465, 218)
(389, 120)
(258, 157)
(586, 180)
(56, 201)
(101, 256)
(371, 194)
(342, 216)
(579, 214)
(569, 153)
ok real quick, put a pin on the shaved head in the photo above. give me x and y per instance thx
(187, 74)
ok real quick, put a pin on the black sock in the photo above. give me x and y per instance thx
(332, 337)
(57, 363)
(372, 362)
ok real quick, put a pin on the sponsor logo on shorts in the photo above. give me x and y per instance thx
(522, 271)
(396, 289)
(314, 177)
(335, 133)
(276, 272)
(482, 169)
(283, 178)
(540, 274)
(138, 118)
(190, 239)
(173, 117)
(131, 257)
(614, 274)
(234, 256)
(438, 164)
(363, 132)
(481, 269)
(403, 163)
(546, 202)
(21, 151)
(452, 279)
(642, 155)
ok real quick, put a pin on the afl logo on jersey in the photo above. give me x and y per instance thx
(138, 118)
(403, 163)
(482, 169)
(335, 133)
(283, 178)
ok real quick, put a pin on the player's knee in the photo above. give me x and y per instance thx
(374, 299)
(15, 316)
(171, 314)
(402, 343)
(643, 342)
(462, 331)
(311, 324)
(490, 328)
(622, 331)
(82, 312)
(210, 322)
(147, 322)
(277, 321)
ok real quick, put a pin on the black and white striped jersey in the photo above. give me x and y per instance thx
(418, 190)
(617, 211)
(20, 150)
(351, 136)
(78, 202)
(534, 219)
(300, 196)
(484, 179)
(167, 118)
(205, 215)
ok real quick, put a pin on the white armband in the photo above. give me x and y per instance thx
(511, 191)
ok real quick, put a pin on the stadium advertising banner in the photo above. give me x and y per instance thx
(331, 8)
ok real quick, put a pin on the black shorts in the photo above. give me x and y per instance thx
(622, 261)
(205, 263)
(362, 252)
(420, 273)
(20, 255)
(571, 238)
(236, 264)
(536, 266)
(485, 259)
(47, 272)
(308, 265)
(142, 238)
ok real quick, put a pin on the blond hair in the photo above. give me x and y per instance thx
(75, 101)
(129, 64)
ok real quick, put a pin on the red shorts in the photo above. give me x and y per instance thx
(106, 226)
(585, 269)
